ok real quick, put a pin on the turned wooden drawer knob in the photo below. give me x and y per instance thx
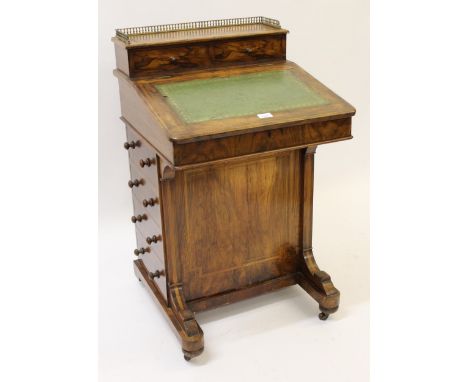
(141, 251)
(150, 202)
(135, 183)
(147, 162)
(139, 218)
(157, 274)
(153, 239)
(132, 144)
(248, 50)
(172, 60)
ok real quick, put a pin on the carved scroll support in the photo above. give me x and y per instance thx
(192, 334)
(176, 311)
(314, 281)
(189, 331)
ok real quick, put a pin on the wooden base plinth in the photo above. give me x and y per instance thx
(181, 313)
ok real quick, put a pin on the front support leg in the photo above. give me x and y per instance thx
(315, 282)
(318, 285)
(179, 315)
(191, 333)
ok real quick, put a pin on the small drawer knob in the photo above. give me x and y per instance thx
(172, 60)
(147, 162)
(248, 50)
(139, 218)
(135, 183)
(158, 273)
(153, 239)
(141, 251)
(150, 202)
(132, 144)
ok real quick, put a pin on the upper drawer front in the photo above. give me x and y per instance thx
(249, 50)
(201, 55)
(168, 59)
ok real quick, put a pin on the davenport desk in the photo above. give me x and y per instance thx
(221, 135)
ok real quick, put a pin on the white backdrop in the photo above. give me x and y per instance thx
(276, 336)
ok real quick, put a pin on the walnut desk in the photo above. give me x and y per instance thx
(222, 132)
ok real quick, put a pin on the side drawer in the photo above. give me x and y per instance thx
(153, 258)
(148, 224)
(144, 178)
(140, 150)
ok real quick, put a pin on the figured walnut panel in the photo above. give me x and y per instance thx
(262, 141)
(249, 50)
(241, 223)
(169, 59)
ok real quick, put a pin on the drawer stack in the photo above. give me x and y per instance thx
(144, 182)
(163, 60)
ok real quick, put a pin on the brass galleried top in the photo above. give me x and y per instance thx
(198, 30)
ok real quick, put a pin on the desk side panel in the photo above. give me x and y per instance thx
(138, 114)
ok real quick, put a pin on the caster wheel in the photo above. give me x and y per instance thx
(323, 316)
(187, 358)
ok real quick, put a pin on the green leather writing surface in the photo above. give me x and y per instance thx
(241, 95)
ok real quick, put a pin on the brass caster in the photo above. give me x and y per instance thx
(323, 316)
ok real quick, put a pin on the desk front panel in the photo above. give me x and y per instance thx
(239, 222)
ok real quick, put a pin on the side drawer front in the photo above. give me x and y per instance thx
(153, 259)
(141, 151)
(249, 50)
(143, 169)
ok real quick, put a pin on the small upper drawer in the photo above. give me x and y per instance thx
(169, 59)
(249, 50)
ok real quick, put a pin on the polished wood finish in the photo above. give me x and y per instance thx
(222, 208)
(173, 59)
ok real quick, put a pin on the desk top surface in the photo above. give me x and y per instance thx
(239, 95)
(209, 104)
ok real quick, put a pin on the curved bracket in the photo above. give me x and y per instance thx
(167, 170)
(315, 282)
(191, 333)
(318, 284)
